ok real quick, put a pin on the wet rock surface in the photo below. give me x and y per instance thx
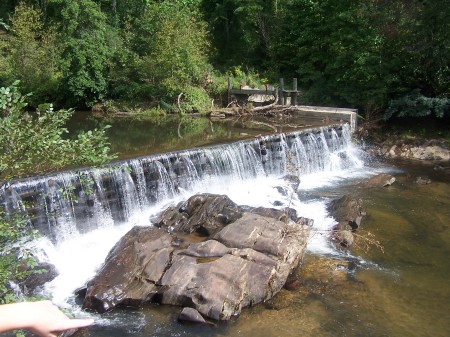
(228, 258)
(349, 213)
(419, 149)
(203, 213)
(47, 272)
(191, 315)
(380, 180)
(131, 270)
(347, 210)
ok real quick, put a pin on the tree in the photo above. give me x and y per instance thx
(33, 56)
(418, 37)
(332, 47)
(85, 51)
(241, 30)
(173, 53)
(34, 143)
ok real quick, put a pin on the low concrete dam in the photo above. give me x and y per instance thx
(82, 200)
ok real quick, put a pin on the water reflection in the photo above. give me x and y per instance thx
(132, 138)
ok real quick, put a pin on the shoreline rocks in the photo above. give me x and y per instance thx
(429, 150)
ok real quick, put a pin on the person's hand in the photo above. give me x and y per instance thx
(42, 317)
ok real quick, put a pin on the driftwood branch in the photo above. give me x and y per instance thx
(178, 102)
(261, 108)
(266, 124)
(179, 129)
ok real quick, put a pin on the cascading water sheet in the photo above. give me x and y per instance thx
(133, 192)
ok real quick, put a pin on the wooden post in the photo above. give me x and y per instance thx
(294, 93)
(230, 86)
(280, 92)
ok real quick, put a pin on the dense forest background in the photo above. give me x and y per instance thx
(383, 57)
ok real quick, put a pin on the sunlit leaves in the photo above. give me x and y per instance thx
(37, 142)
(85, 51)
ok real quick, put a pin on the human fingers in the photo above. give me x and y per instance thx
(73, 324)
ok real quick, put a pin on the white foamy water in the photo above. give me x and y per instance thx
(143, 188)
(78, 257)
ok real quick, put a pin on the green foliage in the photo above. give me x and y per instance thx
(248, 77)
(417, 105)
(347, 53)
(11, 100)
(33, 143)
(363, 54)
(174, 58)
(217, 88)
(15, 233)
(85, 51)
(195, 100)
(32, 55)
(37, 142)
(241, 30)
(334, 51)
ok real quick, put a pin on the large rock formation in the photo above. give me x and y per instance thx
(234, 258)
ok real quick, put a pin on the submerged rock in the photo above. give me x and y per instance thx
(243, 261)
(45, 272)
(380, 180)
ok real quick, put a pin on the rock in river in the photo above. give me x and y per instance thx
(245, 259)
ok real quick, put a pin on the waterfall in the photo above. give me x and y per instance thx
(70, 202)
(82, 213)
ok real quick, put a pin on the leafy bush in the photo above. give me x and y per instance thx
(195, 100)
(33, 143)
(217, 88)
(173, 51)
(249, 77)
(15, 233)
(85, 51)
(417, 105)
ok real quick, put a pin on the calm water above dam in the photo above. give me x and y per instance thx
(132, 138)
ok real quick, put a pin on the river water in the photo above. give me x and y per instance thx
(404, 291)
